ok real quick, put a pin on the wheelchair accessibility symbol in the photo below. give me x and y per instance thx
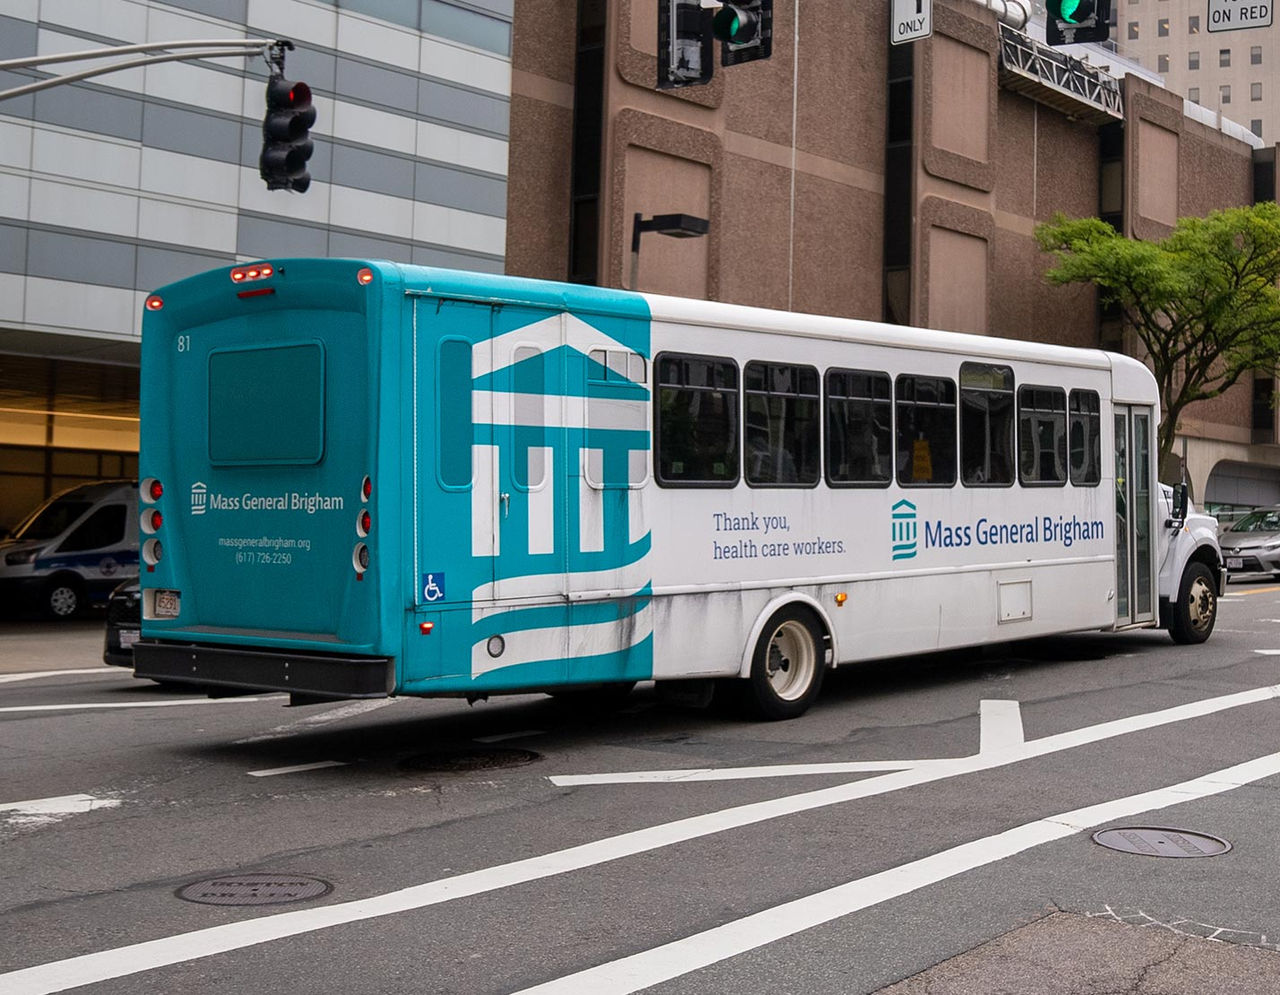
(432, 587)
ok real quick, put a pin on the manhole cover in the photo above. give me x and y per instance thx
(1153, 841)
(470, 758)
(255, 889)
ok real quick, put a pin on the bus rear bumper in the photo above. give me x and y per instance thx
(321, 675)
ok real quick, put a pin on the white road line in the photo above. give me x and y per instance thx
(58, 805)
(134, 704)
(1001, 725)
(525, 734)
(297, 769)
(1268, 652)
(676, 959)
(737, 773)
(57, 976)
(35, 674)
(311, 721)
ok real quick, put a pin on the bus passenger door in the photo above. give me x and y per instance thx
(1135, 553)
(520, 380)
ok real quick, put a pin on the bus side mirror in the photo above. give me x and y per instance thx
(1179, 507)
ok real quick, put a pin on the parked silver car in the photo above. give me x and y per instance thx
(1252, 544)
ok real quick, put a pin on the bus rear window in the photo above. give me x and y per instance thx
(266, 405)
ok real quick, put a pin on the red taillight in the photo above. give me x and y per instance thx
(155, 302)
(366, 488)
(366, 522)
(157, 520)
(157, 489)
(150, 490)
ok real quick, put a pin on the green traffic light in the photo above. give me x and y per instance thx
(1068, 8)
(734, 25)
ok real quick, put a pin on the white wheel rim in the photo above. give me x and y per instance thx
(1201, 604)
(791, 660)
(62, 600)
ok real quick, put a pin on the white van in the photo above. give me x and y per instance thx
(73, 549)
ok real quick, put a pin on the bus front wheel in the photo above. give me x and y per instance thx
(1196, 609)
(787, 666)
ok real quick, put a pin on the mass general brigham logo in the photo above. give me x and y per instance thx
(904, 530)
(199, 498)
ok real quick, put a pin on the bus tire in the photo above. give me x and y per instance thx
(787, 666)
(62, 598)
(1196, 609)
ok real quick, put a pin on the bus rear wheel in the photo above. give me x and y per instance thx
(786, 667)
(1196, 609)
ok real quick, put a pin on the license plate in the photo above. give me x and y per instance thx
(128, 637)
(1235, 563)
(167, 603)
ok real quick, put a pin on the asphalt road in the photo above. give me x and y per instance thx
(926, 828)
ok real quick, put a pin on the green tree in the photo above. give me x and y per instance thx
(1203, 301)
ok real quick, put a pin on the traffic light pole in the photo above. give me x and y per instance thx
(207, 49)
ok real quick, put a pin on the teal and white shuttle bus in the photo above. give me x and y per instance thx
(367, 479)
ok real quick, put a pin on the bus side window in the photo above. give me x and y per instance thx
(1086, 438)
(696, 421)
(986, 425)
(454, 417)
(925, 412)
(1042, 435)
(859, 428)
(782, 424)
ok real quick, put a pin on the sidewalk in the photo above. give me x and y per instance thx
(38, 645)
(1065, 954)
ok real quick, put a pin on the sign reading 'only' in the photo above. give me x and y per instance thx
(1230, 15)
(911, 20)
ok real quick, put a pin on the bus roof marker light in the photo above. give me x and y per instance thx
(364, 277)
(254, 271)
(841, 598)
(155, 302)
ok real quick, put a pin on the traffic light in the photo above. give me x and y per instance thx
(686, 47)
(745, 31)
(286, 139)
(1071, 22)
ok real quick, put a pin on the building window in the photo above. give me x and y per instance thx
(1193, 94)
(1133, 30)
(1224, 57)
(1255, 91)
(1162, 27)
(1193, 24)
(1255, 126)
(1255, 55)
(1162, 63)
(1224, 94)
(1193, 60)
